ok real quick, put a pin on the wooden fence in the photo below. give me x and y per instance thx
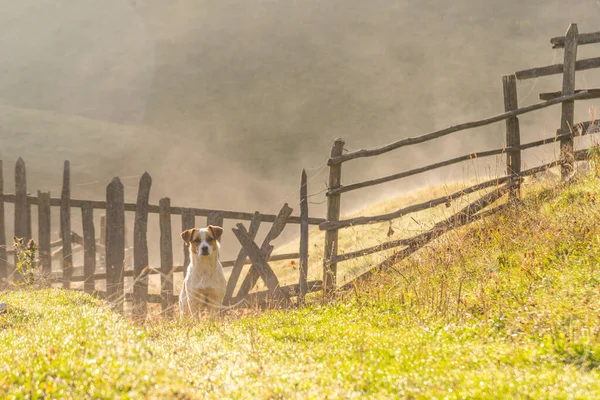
(110, 246)
(508, 184)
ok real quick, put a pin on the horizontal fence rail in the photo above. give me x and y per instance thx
(476, 155)
(199, 212)
(592, 94)
(580, 65)
(453, 129)
(584, 38)
(468, 211)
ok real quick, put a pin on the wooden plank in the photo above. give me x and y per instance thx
(140, 248)
(419, 243)
(166, 256)
(303, 267)
(413, 208)
(241, 260)
(266, 249)
(115, 242)
(581, 65)
(592, 94)
(257, 256)
(177, 268)
(584, 38)
(3, 253)
(65, 226)
(513, 132)
(154, 209)
(44, 231)
(188, 221)
(373, 182)
(215, 219)
(103, 230)
(466, 212)
(333, 215)
(456, 128)
(89, 248)
(568, 108)
(21, 209)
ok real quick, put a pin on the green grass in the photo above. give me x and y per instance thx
(507, 308)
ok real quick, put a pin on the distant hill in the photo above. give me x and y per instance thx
(252, 91)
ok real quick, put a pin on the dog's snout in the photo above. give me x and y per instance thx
(204, 249)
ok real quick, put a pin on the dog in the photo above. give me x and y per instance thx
(204, 283)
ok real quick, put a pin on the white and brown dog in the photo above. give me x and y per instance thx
(204, 283)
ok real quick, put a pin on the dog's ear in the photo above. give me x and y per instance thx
(187, 235)
(216, 231)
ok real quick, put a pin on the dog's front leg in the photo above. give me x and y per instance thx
(184, 302)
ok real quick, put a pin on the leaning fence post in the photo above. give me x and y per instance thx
(3, 260)
(140, 249)
(303, 267)
(44, 232)
(65, 226)
(333, 214)
(568, 107)
(513, 133)
(166, 256)
(115, 242)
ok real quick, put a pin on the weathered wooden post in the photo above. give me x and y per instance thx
(44, 232)
(513, 133)
(568, 107)
(22, 218)
(3, 260)
(140, 249)
(333, 215)
(303, 267)
(89, 247)
(166, 256)
(65, 227)
(188, 221)
(115, 242)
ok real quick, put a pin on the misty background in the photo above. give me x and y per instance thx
(224, 102)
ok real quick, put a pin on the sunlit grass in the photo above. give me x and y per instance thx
(506, 308)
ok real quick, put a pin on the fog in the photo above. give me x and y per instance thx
(224, 102)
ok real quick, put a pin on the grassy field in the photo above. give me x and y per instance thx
(506, 308)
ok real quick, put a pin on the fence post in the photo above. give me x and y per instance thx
(568, 107)
(65, 226)
(3, 260)
(166, 256)
(513, 133)
(22, 220)
(115, 242)
(188, 220)
(216, 219)
(44, 232)
(89, 247)
(140, 249)
(333, 214)
(303, 267)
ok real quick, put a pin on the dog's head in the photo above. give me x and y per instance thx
(203, 241)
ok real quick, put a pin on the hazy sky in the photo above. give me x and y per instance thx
(224, 102)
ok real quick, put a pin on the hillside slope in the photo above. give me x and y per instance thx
(507, 308)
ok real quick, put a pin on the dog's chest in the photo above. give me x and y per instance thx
(204, 276)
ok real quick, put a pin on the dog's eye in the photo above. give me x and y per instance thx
(197, 240)
(210, 239)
